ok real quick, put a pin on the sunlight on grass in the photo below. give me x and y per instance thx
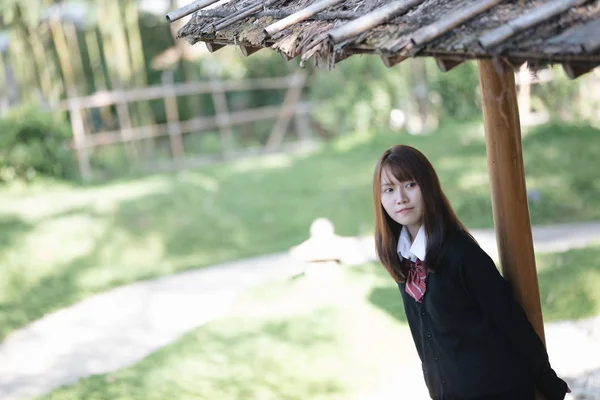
(61, 243)
(298, 339)
(351, 141)
(473, 179)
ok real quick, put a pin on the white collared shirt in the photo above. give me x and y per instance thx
(413, 250)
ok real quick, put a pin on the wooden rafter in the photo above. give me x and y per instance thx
(530, 19)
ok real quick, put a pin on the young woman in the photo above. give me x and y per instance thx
(473, 338)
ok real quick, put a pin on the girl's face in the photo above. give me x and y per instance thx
(402, 201)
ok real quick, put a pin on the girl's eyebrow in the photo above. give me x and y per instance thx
(386, 183)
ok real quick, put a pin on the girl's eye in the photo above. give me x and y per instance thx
(411, 184)
(388, 190)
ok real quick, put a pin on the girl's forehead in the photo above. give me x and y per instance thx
(389, 175)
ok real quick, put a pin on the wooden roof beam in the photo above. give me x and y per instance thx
(371, 20)
(433, 31)
(528, 20)
(446, 65)
(390, 61)
(212, 47)
(586, 36)
(248, 50)
(299, 16)
(575, 70)
(238, 15)
(187, 10)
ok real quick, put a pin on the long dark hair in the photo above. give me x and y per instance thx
(406, 163)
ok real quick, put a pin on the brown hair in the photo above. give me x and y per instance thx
(439, 220)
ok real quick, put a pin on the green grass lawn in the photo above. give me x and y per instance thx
(60, 243)
(311, 339)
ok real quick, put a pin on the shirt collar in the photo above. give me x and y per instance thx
(413, 250)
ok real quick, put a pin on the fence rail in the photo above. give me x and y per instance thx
(174, 128)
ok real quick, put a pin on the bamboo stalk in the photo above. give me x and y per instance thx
(3, 87)
(243, 13)
(437, 29)
(42, 63)
(93, 47)
(75, 53)
(62, 50)
(142, 112)
(533, 17)
(134, 39)
(372, 19)
(107, 40)
(98, 71)
(299, 16)
(237, 16)
(125, 69)
(187, 10)
(2, 75)
(280, 14)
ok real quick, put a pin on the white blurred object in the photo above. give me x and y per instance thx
(397, 119)
(324, 245)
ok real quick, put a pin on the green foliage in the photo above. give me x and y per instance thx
(34, 142)
(458, 90)
(360, 93)
(566, 99)
(128, 230)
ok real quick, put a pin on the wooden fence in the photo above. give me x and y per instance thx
(174, 128)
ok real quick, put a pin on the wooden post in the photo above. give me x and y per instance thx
(222, 116)
(78, 128)
(507, 181)
(172, 111)
(288, 108)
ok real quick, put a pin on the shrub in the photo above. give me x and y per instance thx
(34, 142)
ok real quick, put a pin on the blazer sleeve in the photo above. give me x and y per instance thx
(492, 292)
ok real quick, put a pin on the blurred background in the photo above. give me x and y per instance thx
(127, 156)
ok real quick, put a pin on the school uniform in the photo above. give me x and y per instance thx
(473, 338)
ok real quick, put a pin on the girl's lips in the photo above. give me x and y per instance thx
(404, 211)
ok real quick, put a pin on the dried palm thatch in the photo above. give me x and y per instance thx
(539, 32)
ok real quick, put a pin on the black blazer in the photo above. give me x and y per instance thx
(472, 336)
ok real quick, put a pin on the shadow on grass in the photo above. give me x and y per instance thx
(561, 170)
(12, 229)
(389, 300)
(570, 284)
(290, 359)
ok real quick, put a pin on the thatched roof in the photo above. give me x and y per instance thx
(515, 31)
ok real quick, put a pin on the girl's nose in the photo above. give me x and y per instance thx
(401, 197)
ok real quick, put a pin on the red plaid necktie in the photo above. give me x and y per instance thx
(415, 281)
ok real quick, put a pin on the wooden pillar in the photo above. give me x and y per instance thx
(507, 181)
